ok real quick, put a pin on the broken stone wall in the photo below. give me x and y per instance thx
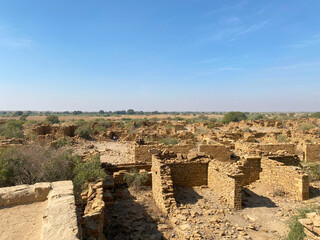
(226, 182)
(162, 185)
(251, 168)
(245, 147)
(311, 152)
(290, 179)
(217, 151)
(189, 173)
(142, 152)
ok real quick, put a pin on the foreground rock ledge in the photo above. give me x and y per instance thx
(59, 217)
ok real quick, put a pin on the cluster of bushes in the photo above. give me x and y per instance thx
(306, 126)
(12, 129)
(84, 131)
(34, 163)
(315, 115)
(135, 123)
(52, 119)
(136, 179)
(234, 117)
(168, 141)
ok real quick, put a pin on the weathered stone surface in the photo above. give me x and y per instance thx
(60, 218)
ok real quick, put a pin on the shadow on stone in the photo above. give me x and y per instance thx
(314, 192)
(186, 195)
(253, 200)
(128, 219)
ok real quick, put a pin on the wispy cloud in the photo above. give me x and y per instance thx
(314, 41)
(12, 37)
(235, 33)
(16, 43)
(226, 8)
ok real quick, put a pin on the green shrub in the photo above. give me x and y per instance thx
(61, 142)
(313, 170)
(169, 141)
(86, 172)
(52, 119)
(81, 122)
(136, 179)
(34, 163)
(178, 118)
(234, 117)
(102, 123)
(281, 138)
(135, 123)
(12, 129)
(257, 116)
(306, 126)
(296, 229)
(211, 125)
(315, 115)
(84, 131)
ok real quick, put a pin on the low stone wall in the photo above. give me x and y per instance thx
(290, 179)
(59, 217)
(119, 177)
(185, 173)
(311, 152)
(23, 194)
(217, 151)
(93, 218)
(245, 147)
(142, 152)
(250, 166)
(162, 186)
(226, 180)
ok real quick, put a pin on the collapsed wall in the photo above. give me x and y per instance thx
(311, 152)
(226, 181)
(143, 153)
(265, 148)
(290, 179)
(217, 151)
(162, 185)
(250, 166)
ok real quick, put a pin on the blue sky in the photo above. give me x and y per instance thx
(168, 55)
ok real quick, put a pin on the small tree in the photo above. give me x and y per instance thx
(234, 117)
(52, 119)
(84, 131)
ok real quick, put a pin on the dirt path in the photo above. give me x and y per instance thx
(21, 222)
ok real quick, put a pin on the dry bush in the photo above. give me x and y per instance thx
(34, 163)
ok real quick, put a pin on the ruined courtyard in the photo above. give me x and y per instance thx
(204, 180)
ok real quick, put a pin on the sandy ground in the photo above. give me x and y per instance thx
(110, 151)
(116, 152)
(21, 222)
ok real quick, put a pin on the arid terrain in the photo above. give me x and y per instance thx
(143, 177)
